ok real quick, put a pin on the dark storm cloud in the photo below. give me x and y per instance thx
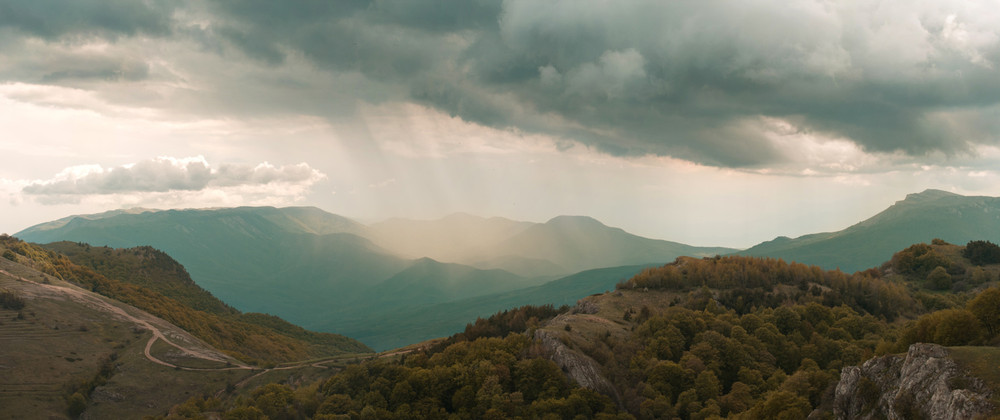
(690, 79)
(53, 19)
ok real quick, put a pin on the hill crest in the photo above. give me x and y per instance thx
(920, 217)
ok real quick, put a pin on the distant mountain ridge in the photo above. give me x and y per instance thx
(563, 245)
(330, 273)
(583, 243)
(920, 217)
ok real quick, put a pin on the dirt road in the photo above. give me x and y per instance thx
(100, 303)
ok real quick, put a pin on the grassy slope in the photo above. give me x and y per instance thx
(60, 345)
(248, 337)
(980, 362)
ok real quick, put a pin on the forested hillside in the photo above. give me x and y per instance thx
(733, 337)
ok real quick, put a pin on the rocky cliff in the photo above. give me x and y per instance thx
(926, 383)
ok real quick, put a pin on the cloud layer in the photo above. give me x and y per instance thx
(705, 81)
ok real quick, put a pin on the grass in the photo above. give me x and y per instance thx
(60, 345)
(981, 362)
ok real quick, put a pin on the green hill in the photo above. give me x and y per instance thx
(918, 218)
(150, 280)
(146, 267)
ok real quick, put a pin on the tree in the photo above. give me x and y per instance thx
(707, 385)
(982, 252)
(939, 279)
(781, 405)
(957, 327)
(986, 307)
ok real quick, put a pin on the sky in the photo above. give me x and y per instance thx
(707, 122)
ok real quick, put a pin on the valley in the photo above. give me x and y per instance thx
(324, 272)
(651, 332)
(379, 283)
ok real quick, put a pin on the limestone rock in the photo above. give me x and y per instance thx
(579, 367)
(925, 384)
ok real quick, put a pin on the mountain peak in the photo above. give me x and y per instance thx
(462, 217)
(575, 221)
(929, 195)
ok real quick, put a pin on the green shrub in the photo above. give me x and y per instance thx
(76, 404)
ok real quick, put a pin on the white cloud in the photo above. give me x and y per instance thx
(169, 179)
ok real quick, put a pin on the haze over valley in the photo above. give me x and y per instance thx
(401, 281)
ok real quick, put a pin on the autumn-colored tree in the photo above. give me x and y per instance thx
(707, 385)
(986, 307)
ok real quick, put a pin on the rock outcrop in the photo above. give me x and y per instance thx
(925, 384)
(579, 367)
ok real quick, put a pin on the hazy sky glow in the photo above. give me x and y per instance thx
(704, 122)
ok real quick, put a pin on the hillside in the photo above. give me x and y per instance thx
(145, 267)
(65, 350)
(248, 257)
(735, 337)
(412, 324)
(427, 281)
(152, 281)
(918, 218)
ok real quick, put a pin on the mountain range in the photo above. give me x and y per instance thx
(400, 281)
(329, 273)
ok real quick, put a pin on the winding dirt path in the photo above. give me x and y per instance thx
(98, 303)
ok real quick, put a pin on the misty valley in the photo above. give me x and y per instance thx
(260, 312)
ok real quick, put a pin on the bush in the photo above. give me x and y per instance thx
(939, 279)
(76, 404)
(918, 259)
(9, 300)
(8, 254)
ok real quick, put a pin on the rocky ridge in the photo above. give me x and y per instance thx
(926, 383)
